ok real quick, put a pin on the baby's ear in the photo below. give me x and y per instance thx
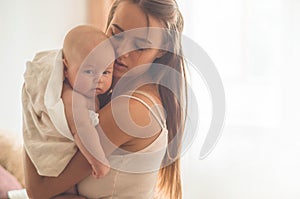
(65, 67)
(65, 62)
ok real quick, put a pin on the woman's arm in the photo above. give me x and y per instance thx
(39, 187)
(68, 196)
(132, 117)
(78, 168)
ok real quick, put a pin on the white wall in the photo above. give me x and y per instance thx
(26, 28)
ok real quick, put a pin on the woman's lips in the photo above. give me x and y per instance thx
(119, 65)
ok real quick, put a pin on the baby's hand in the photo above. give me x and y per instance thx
(99, 169)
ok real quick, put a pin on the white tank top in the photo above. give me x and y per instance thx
(143, 167)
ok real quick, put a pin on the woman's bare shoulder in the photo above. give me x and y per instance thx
(147, 91)
(124, 118)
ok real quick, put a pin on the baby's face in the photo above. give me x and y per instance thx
(94, 75)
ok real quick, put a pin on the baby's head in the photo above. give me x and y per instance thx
(88, 69)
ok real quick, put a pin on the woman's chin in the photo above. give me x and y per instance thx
(118, 74)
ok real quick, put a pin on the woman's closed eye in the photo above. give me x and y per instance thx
(139, 48)
(116, 36)
(140, 45)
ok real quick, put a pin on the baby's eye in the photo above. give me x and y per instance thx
(106, 72)
(89, 72)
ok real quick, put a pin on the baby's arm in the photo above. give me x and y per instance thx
(79, 122)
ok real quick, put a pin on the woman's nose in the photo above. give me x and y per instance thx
(123, 55)
(123, 48)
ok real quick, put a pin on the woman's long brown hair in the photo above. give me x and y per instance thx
(167, 12)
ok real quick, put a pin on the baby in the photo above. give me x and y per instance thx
(59, 102)
(85, 78)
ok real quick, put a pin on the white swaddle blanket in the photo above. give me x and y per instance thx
(47, 138)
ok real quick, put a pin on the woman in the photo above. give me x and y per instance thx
(127, 15)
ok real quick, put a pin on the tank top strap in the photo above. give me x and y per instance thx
(157, 118)
(158, 109)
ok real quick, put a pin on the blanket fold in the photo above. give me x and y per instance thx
(47, 138)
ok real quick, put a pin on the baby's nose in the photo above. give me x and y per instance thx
(99, 78)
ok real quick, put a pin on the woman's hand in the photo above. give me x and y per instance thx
(41, 187)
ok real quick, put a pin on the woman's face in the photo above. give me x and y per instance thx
(127, 17)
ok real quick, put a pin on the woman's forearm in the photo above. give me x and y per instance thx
(68, 196)
(39, 187)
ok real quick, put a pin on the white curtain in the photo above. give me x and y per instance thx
(255, 45)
